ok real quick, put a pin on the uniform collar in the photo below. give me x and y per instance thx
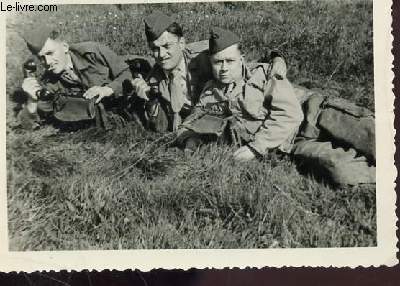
(231, 86)
(69, 65)
(78, 61)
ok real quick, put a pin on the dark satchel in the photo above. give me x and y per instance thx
(202, 127)
(209, 120)
(208, 124)
(74, 109)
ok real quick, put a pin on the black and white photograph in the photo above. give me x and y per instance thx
(197, 126)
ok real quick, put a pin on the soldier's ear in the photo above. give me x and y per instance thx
(242, 60)
(65, 46)
(182, 42)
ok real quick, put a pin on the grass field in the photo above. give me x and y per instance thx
(123, 189)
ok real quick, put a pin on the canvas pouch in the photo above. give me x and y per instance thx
(73, 109)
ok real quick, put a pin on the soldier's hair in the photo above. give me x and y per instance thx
(240, 48)
(55, 35)
(175, 29)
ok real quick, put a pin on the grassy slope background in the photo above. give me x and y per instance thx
(124, 189)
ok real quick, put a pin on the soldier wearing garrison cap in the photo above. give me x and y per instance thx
(262, 112)
(250, 105)
(221, 39)
(173, 86)
(84, 79)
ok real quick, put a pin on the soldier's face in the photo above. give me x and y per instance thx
(227, 65)
(54, 55)
(168, 50)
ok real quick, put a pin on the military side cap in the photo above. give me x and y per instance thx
(155, 24)
(220, 39)
(37, 37)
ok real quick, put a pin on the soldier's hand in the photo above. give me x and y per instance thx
(243, 154)
(99, 91)
(279, 68)
(141, 87)
(31, 86)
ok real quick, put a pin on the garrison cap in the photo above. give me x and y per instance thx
(220, 39)
(155, 24)
(37, 37)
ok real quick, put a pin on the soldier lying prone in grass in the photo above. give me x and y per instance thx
(81, 83)
(259, 110)
(250, 106)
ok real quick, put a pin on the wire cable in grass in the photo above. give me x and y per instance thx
(125, 171)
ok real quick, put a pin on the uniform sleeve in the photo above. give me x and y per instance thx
(119, 70)
(254, 95)
(283, 121)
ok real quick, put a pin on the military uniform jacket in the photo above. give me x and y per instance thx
(198, 73)
(265, 107)
(95, 65)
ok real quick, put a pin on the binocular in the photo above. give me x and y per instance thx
(30, 70)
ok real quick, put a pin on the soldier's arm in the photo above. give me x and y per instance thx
(119, 70)
(271, 54)
(278, 62)
(284, 119)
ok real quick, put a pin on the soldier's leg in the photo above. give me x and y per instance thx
(351, 128)
(341, 166)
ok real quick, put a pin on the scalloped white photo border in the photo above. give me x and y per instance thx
(383, 254)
